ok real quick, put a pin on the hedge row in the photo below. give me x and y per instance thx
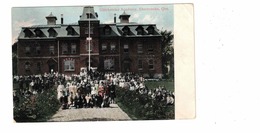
(143, 107)
(35, 108)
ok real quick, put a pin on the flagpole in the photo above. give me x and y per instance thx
(89, 44)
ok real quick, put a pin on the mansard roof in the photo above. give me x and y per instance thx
(59, 29)
(116, 29)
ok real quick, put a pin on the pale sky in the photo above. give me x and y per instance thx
(161, 15)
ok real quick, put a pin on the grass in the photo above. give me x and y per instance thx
(153, 84)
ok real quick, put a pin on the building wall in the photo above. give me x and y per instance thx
(145, 56)
(45, 58)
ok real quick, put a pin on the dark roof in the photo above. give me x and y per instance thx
(51, 16)
(61, 29)
(124, 14)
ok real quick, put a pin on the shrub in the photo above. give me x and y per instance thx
(143, 107)
(38, 107)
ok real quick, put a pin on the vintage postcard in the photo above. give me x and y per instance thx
(103, 63)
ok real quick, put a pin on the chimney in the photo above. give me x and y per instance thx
(61, 19)
(114, 18)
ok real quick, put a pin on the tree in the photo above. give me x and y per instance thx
(14, 58)
(167, 54)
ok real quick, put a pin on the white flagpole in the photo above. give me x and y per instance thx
(89, 44)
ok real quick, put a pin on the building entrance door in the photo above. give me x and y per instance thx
(126, 66)
(52, 64)
(51, 68)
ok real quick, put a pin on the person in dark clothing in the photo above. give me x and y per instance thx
(112, 93)
(21, 81)
(88, 88)
(99, 101)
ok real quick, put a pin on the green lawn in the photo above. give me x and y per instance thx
(168, 84)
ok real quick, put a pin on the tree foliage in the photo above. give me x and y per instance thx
(167, 53)
(143, 106)
(35, 107)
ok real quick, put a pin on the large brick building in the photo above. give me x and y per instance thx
(116, 47)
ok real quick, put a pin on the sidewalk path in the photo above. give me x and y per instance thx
(112, 113)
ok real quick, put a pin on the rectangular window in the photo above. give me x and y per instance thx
(27, 66)
(73, 48)
(69, 65)
(151, 64)
(126, 48)
(87, 47)
(104, 48)
(38, 50)
(38, 66)
(64, 48)
(150, 49)
(91, 30)
(139, 48)
(140, 65)
(51, 50)
(27, 50)
(113, 48)
(109, 64)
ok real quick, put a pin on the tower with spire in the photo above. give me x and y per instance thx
(51, 19)
(124, 18)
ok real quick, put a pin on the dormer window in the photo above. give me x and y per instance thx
(52, 32)
(38, 33)
(70, 30)
(126, 30)
(107, 30)
(139, 30)
(150, 30)
(27, 33)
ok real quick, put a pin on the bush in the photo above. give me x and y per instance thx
(35, 108)
(143, 107)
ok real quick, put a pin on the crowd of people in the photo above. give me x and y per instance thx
(90, 89)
